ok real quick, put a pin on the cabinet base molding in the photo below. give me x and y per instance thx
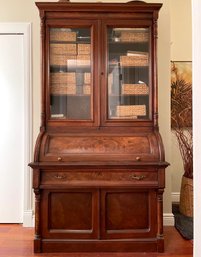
(144, 245)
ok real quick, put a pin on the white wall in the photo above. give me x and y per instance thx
(164, 95)
(25, 10)
(181, 50)
(181, 30)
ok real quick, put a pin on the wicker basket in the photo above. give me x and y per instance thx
(135, 89)
(130, 110)
(62, 60)
(123, 117)
(67, 49)
(63, 89)
(127, 36)
(84, 49)
(138, 60)
(65, 36)
(58, 116)
(186, 197)
(87, 78)
(63, 78)
(87, 89)
(83, 60)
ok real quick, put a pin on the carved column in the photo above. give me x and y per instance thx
(36, 184)
(155, 77)
(37, 241)
(43, 65)
(37, 211)
(160, 220)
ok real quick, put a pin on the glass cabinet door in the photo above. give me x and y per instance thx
(128, 83)
(70, 80)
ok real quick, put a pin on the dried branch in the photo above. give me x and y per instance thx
(181, 119)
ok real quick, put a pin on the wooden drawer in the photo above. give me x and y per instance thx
(99, 177)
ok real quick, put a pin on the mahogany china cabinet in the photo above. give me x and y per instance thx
(98, 169)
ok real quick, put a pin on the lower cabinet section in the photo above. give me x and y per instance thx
(98, 219)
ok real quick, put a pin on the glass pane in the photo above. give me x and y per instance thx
(70, 74)
(128, 73)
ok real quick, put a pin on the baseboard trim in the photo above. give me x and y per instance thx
(175, 197)
(168, 219)
(28, 218)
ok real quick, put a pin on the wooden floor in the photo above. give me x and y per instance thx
(17, 241)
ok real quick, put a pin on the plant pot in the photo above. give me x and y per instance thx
(186, 197)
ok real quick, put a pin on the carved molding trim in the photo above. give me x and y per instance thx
(156, 119)
(37, 214)
(155, 30)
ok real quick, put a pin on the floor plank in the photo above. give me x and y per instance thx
(16, 241)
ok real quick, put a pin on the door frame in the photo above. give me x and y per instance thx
(24, 29)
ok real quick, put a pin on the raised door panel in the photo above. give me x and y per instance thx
(128, 214)
(70, 214)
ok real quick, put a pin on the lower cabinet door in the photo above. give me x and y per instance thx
(128, 213)
(69, 214)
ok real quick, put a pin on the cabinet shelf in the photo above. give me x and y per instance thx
(62, 68)
(70, 42)
(126, 117)
(128, 44)
(129, 95)
(70, 95)
(129, 68)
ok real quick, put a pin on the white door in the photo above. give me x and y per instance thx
(11, 128)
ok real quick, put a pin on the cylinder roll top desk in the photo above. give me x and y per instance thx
(98, 169)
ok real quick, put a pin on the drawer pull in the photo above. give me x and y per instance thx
(59, 176)
(138, 159)
(135, 177)
(59, 159)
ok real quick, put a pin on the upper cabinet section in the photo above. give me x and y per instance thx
(99, 64)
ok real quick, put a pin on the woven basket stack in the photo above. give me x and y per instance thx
(65, 51)
(87, 84)
(130, 36)
(63, 36)
(135, 60)
(130, 111)
(63, 83)
(135, 89)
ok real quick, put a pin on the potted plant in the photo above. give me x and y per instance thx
(181, 120)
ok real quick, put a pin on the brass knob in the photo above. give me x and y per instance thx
(138, 159)
(64, 1)
(59, 176)
(59, 159)
(136, 177)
